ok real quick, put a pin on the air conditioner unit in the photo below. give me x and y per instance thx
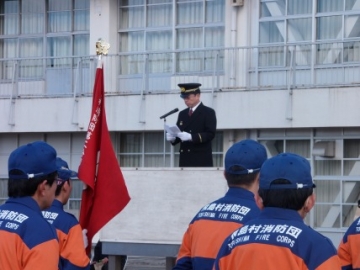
(324, 149)
(236, 3)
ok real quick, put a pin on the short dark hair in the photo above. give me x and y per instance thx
(240, 179)
(59, 187)
(285, 198)
(27, 187)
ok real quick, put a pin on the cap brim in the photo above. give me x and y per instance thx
(66, 174)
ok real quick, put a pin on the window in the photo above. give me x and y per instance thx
(337, 178)
(294, 22)
(34, 29)
(158, 26)
(147, 150)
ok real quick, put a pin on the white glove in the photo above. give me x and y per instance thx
(170, 137)
(184, 136)
(86, 241)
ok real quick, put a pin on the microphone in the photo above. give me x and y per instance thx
(171, 112)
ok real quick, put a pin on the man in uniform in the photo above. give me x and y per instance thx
(70, 234)
(278, 239)
(198, 126)
(215, 221)
(28, 241)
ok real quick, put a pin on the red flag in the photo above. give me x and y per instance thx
(105, 194)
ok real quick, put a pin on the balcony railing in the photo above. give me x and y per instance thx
(307, 65)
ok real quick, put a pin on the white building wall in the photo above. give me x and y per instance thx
(332, 107)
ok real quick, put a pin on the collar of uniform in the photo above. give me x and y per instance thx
(26, 201)
(57, 204)
(240, 193)
(195, 107)
(280, 213)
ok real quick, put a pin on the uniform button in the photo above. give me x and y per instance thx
(188, 150)
(181, 150)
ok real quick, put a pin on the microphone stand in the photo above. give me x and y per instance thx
(164, 162)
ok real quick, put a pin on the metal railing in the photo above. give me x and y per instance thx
(307, 65)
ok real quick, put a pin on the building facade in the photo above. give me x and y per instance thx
(285, 73)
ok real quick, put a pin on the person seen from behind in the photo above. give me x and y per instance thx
(215, 221)
(72, 240)
(28, 241)
(279, 239)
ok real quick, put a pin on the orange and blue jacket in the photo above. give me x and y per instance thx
(349, 248)
(69, 231)
(211, 225)
(277, 240)
(27, 241)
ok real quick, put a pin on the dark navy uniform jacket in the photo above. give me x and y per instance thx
(202, 127)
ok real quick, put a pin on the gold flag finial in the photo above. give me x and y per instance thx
(102, 47)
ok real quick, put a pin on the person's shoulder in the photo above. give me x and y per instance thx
(206, 108)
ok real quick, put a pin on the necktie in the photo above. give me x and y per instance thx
(190, 112)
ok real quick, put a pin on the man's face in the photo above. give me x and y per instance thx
(192, 100)
(49, 194)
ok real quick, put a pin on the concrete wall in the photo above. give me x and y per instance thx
(328, 107)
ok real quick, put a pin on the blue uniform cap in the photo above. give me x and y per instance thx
(32, 160)
(291, 167)
(64, 173)
(248, 154)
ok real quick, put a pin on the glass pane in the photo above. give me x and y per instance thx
(82, 20)
(214, 11)
(189, 13)
(327, 167)
(160, 63)
(300, 147)
(32, 19)
(299, 7)
(189, 61)
(159, 15)
(157, 161)
(328, 28)
(327, 215)
(131, 2)
(130, 160)
(214, 36)
(299, 30)
(303, 55)
(81, 45)
(131, 64)
(349, 212)
(55, 5)
(158, 40)
(350, 5)
(82, 4)
(132, 41)
(154, 143)
(9, 20)
(329, 5)
(329, 53)
(130, 143)
(271, 56)
(31, 47)
(327, 191)
(8, 48)
(351, 168)
(351, 26)
(58, 46)
(131, 17)
(351, 148)
(59, 21)
(189, 38)
(271, 32)
(272, 8)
